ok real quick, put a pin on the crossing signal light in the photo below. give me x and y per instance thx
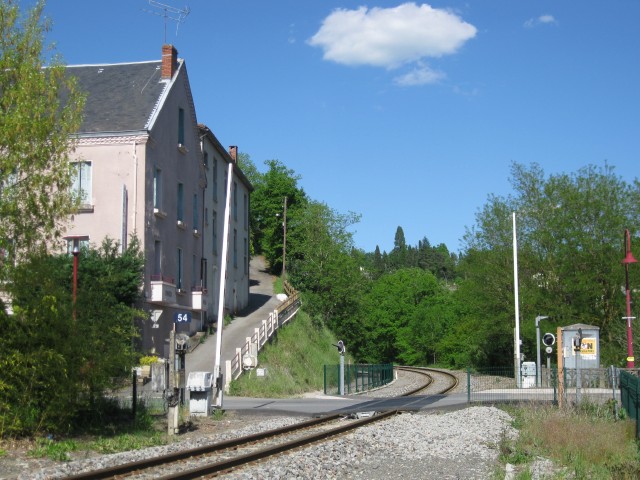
(549, 339)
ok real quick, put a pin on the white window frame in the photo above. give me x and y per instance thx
(82, 183)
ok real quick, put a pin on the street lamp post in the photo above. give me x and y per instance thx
(76, 252)
(74, 243)
(538, 366)
(629, 258)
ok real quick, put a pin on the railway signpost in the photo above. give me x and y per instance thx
(341, 349)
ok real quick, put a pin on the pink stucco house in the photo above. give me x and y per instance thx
(147, 168)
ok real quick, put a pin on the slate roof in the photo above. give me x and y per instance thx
(120, 97)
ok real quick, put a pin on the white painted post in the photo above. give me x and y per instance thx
(227, 376)
(223, 277)
(341, 374)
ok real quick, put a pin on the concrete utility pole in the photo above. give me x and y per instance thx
(284, 242)
(516, 341)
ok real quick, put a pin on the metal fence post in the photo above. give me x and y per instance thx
(341, 375)
(564, 382)
(134, 399)
(636, 404)
(468, 385)
(356, 374)
(325, 379)
(613, 390)
(624, 392)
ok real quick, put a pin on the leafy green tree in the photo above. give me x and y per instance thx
(323, 267)
(425, 255)
(40, 109)
(397, 306)
(445, 263)
(57, 358)
(399, 242)
(418, 341)
(267, 203)
(378, 266)
(570, 234)
(249, 169)
(400, 255)
(437, 260)
(255, 177)
(481, 333)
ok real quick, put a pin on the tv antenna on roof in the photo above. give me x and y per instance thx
(169, 13)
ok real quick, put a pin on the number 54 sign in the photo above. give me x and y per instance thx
(182, 317)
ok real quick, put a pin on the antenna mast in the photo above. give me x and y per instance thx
(178, 15)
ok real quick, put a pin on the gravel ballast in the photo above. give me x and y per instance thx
(427, 445)
(457, 445)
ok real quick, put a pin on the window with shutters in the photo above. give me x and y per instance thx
(81, 187)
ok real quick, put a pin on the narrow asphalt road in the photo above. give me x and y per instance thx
(262, 301)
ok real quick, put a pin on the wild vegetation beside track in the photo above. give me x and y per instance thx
(590, 442)
(293, 362)
(586, 442)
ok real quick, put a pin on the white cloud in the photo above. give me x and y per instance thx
(391, 37)
(420, 75)
(541, 20)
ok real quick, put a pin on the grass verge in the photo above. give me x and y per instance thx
(294, 361)
(148, 430)
(585, 442)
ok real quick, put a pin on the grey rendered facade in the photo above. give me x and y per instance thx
(145, 168)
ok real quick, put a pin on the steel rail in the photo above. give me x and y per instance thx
(241, 460)
(111, 472)
(425, 371)
(220, 466)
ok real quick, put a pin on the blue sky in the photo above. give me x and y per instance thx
(409, 114)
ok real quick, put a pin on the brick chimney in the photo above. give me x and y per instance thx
(169, 61)
(233, 152)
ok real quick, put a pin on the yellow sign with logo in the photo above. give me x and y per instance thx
(588, 347)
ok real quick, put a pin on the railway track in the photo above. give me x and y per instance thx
(437, 382)
(219, 458)
(224, 456)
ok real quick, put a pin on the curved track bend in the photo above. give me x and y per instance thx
(435, 382)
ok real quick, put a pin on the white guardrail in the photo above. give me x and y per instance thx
(246, 356)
